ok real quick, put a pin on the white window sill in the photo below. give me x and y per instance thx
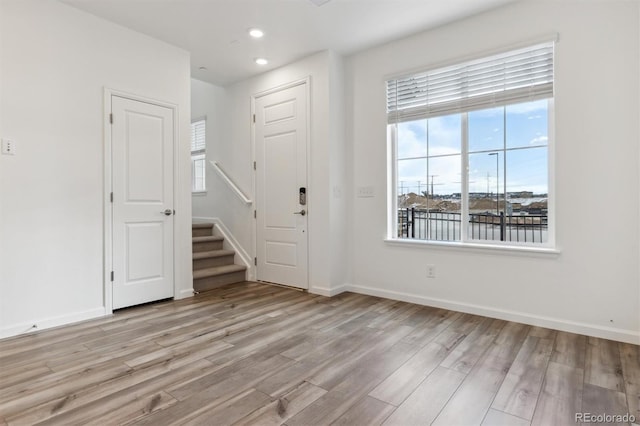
(475, 247)
(199, 193)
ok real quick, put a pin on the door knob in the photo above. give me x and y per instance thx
(167, 212)
(301, 212)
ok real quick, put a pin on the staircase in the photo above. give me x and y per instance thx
(212, 265)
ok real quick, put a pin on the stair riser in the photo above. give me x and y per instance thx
(209, 283)
(210, 262)
(207, 246)
(201, 232)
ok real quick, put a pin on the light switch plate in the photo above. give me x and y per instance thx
(8, 147)
(365, 192)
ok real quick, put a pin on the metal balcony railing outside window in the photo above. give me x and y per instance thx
(423, 224)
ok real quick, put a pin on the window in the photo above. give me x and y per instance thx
(198, 162)
(471, 150)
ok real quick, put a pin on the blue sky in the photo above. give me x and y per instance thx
(526, 127)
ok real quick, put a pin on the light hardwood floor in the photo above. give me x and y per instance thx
(256, 354)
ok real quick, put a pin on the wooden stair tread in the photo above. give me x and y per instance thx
(212, 265)
(218, 270)
(212, 253)
(205, 239)
(201, 225)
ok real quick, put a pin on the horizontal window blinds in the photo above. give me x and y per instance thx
(198, 140)
(517, 76)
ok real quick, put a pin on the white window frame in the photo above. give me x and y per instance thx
(198, 153)
(549, 247)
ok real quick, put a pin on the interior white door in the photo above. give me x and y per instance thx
(142, 181)
(281, 174)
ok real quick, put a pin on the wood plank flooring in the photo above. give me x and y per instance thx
(253, 354)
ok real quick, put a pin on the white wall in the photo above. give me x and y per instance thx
(208, 100)
(1, 135)
(327, 151)
(339, 186)
(55, 63)
(593, 285)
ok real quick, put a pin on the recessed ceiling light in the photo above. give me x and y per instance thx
(256, 33)
(261, 61)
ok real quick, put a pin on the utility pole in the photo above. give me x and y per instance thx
(432, 176)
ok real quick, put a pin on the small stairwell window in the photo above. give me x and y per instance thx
(198, 157)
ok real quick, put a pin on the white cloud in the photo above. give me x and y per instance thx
(410, 143)
(540, 140)
(444, 136)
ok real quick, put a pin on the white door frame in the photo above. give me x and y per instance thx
(108, 184)
(307, 82)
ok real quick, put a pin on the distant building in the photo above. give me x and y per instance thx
(477, 195)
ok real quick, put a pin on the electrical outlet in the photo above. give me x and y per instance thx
(431, 271)
(8, 147)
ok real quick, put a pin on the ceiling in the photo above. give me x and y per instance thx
(215, 31)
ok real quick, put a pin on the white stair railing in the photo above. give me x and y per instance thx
(225, 177)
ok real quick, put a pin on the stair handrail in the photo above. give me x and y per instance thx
(225, 177)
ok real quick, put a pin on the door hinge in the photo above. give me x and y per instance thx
(111, 197)
(111, 276)
(255, 261)
(255, 214)
(254, 118)
(111, 118)
(254, 165)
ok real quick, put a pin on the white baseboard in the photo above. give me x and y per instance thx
(44, 323)
(183, 294)
(233, 244)
(617, 334)
(328, 292)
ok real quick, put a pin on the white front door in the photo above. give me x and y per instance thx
(142, 185)
(281, 175)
